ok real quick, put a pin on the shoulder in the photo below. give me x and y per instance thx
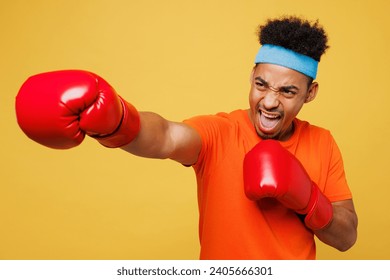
(307, 130)
(311, 141)
(236, 114)
(218, 120)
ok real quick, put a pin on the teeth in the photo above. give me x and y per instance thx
(269, 116)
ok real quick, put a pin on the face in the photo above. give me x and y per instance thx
(277, 95)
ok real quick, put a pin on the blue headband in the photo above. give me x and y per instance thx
(284, 57)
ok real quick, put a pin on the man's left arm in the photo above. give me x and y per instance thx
(341, 233)
(272, 171)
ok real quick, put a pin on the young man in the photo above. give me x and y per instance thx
(267, 181)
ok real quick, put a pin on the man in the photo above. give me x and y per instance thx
(267, 182)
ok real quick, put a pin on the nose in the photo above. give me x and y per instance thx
(271, 99)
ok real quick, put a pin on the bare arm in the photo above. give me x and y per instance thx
(163, 139)
(342, 231)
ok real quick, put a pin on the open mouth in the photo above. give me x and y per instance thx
(268, 121)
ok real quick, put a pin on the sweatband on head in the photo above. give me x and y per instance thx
(284, 57)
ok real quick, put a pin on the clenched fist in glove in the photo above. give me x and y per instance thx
(57, 109)
(272, 171)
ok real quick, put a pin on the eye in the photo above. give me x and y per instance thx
(260, 85)
(287, 92)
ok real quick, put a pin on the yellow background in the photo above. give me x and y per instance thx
(178, 58)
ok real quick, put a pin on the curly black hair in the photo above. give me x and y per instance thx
(297, 34)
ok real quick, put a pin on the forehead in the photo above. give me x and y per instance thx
(277, 75)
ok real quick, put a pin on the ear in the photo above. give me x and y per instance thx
(312, 92)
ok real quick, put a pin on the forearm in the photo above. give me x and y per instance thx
(163, 139)
(342, 231)
(152, 137)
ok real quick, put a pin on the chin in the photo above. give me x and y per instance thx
(265, 136)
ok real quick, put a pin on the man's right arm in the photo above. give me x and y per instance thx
(163, 139)
(57, 109)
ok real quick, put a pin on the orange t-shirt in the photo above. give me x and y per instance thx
(233, 227)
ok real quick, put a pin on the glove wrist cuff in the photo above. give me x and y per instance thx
(127, 130)
(320, 210)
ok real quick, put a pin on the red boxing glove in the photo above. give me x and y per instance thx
(272, 171)
(57, 109)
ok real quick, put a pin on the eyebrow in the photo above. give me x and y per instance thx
(288, 87)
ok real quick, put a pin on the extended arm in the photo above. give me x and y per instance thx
(57, 109)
